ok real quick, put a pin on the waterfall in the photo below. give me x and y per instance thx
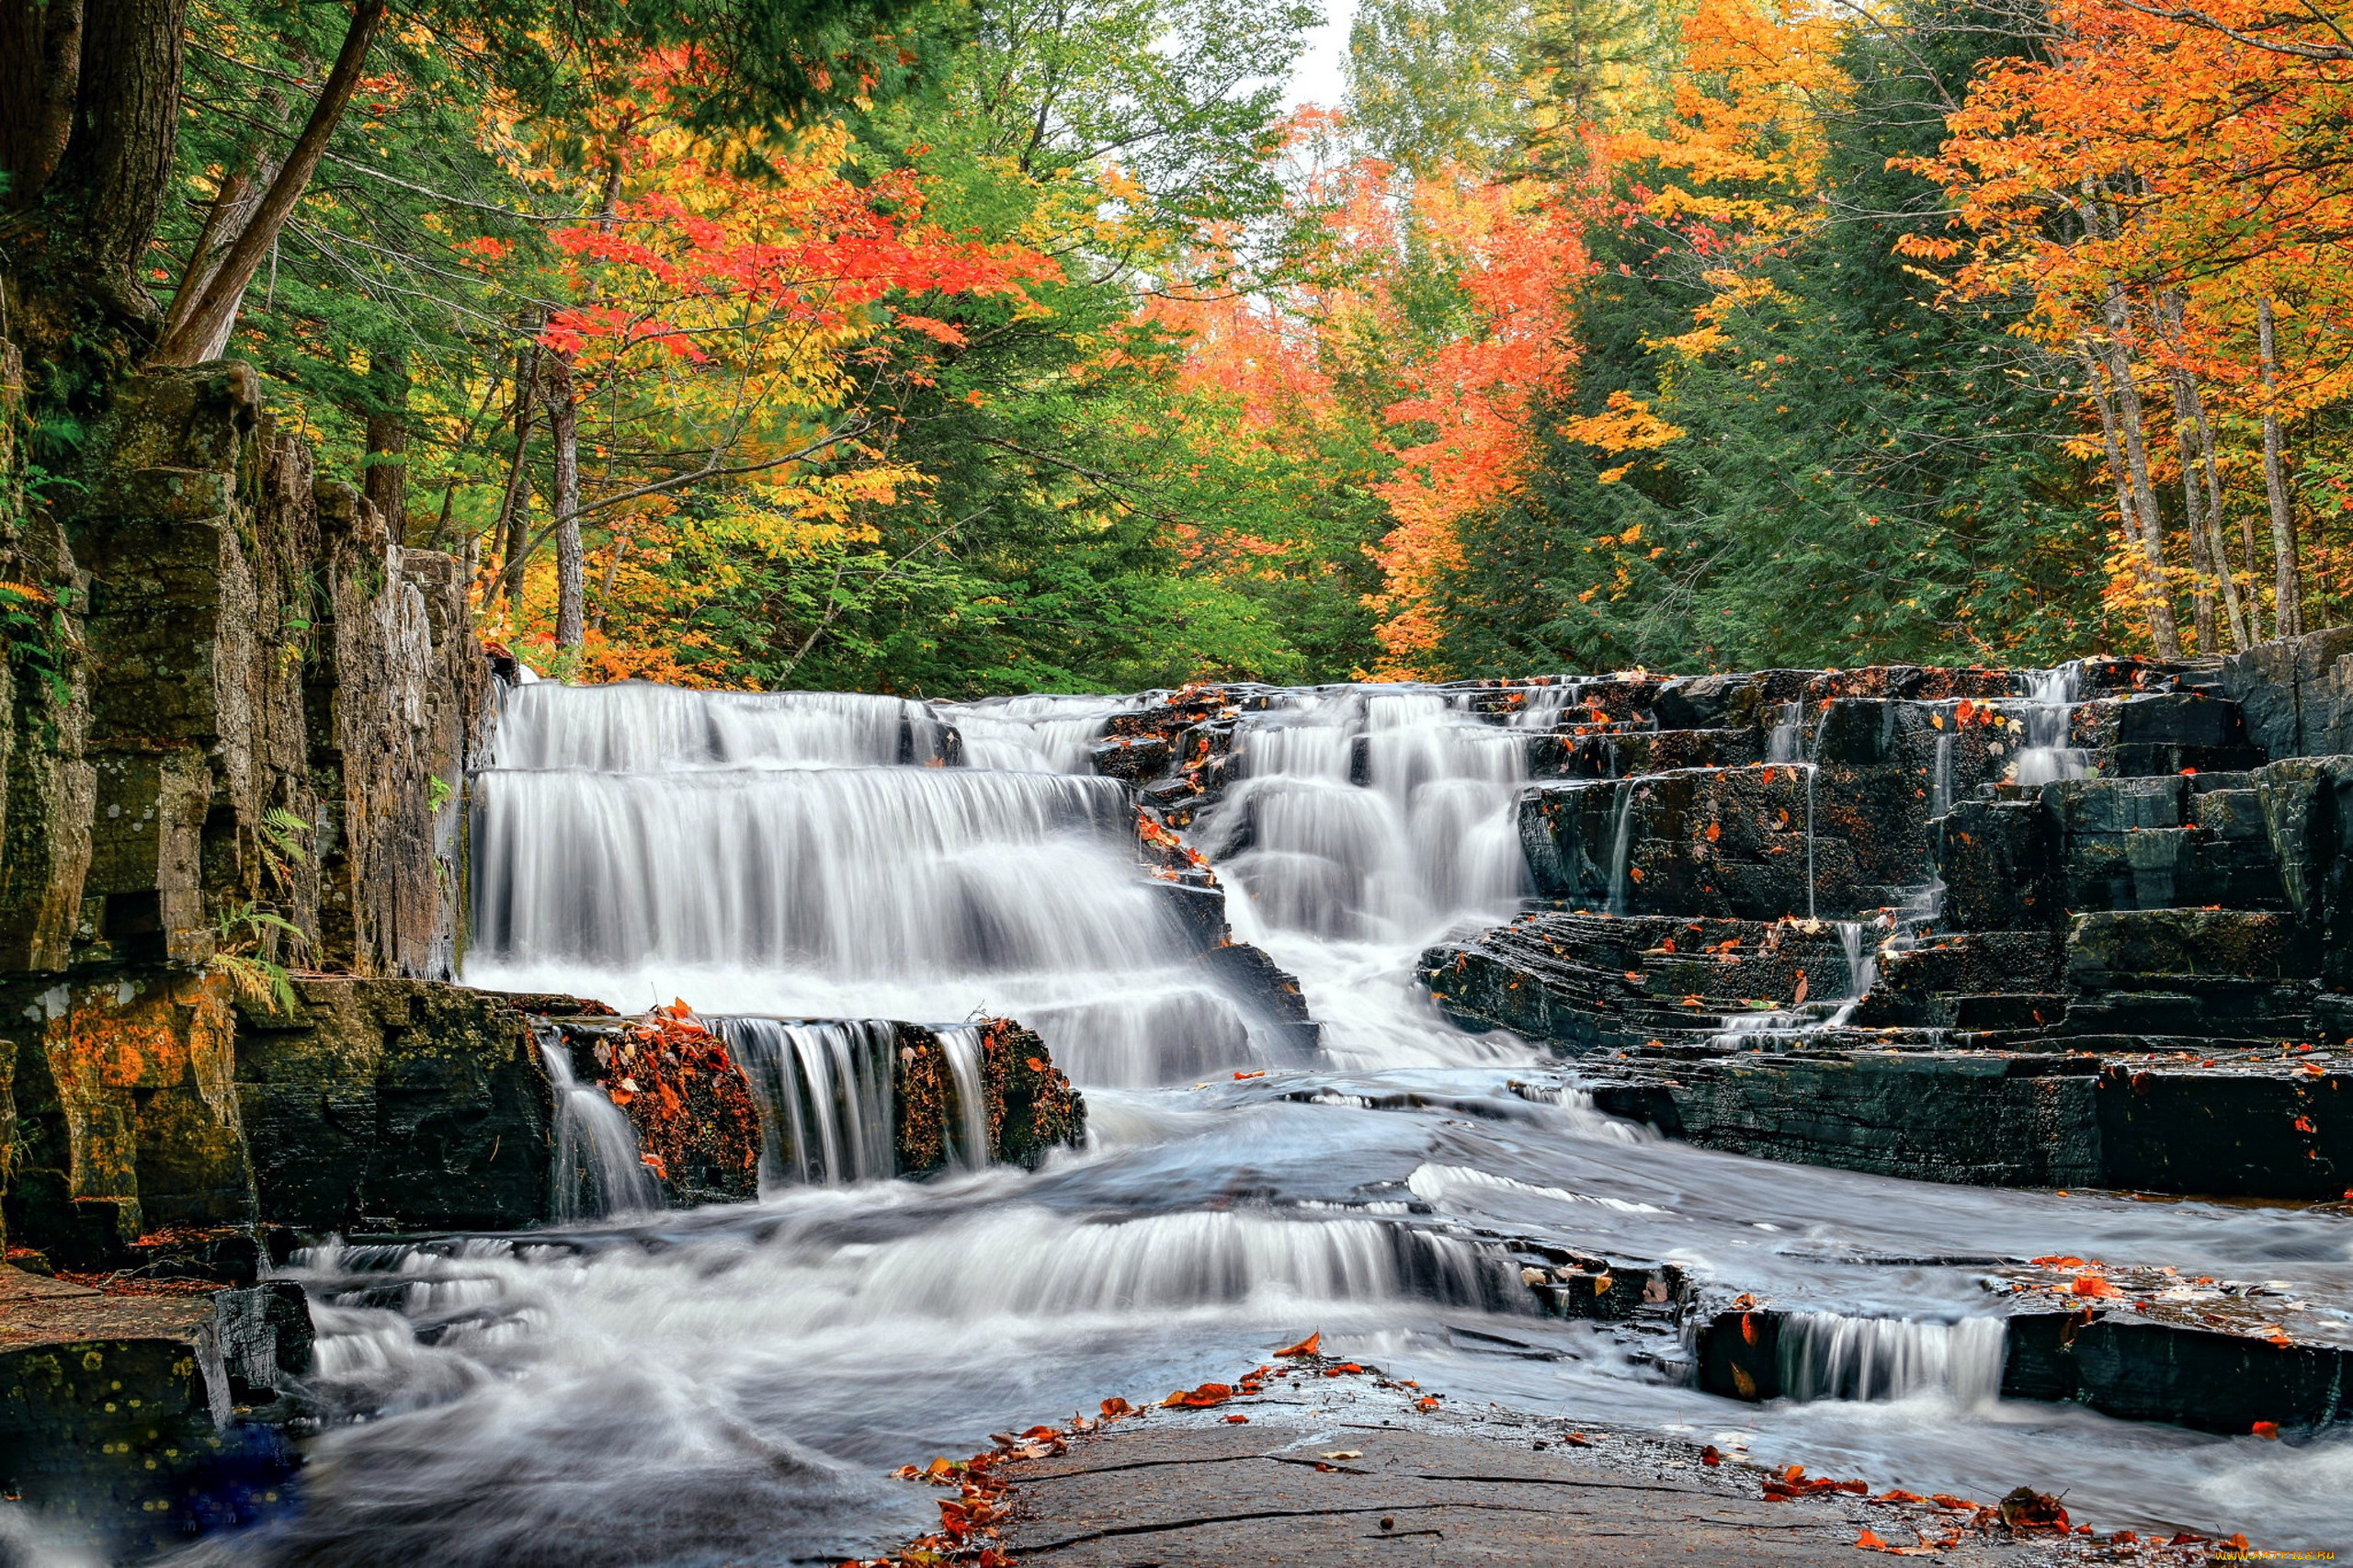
(2047, 757)
(1621, 811)
(1034, 734)
(1862, 964)
(1372, 816)
(597, 1172)
(968, 1133)
(1832, 1356)
(638, 727)
(824, 1090)
(1941, 777)
(1545, 705)
(792, 867)
(1787, 742)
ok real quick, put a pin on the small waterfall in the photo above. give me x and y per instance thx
(968, 1133)
(1812, 774)
(824, 1090)
(1787, 742)
(1940, 778)
(1371, 814)
(597, 1172)
(1832, 1356)
(1863, 962)
(2047, 757)
(1546, 704)
(1621, 847)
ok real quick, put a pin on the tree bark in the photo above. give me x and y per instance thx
(233, 204)
(571, 568)
(386, 474)
(107, 191)
(41, 64)
(202, 332)
(2131, 423)
(511, 529)
(2287, 605)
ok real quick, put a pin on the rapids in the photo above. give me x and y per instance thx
(729, 1385)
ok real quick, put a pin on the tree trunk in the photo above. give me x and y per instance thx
(40, 63)
(512, 530)
(233, 204)
(2195, 512)
(202, 332)
(107, 191)
(2286, 606)
(2126, 510)
(571, 568)
(386, 472)
(2244, 634)
(2131, 423)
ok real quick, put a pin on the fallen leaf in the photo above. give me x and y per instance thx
(1238, 1420)
(1306, 1346)
(1238, 1077)
(1345, 1454)
(1796, 998)
(2092, 1285)
(2268, 1430)
(1707, 1456)
(1427, 1401)
(1870, 1541)
(1115, 1407)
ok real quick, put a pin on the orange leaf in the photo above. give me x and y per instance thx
(2268, 1430)
(1115, 1406)
(1798, 996)
(2092, 1285)
(1427, 1401)
(1238, 1077)
(1306, 1346)
(1868, 1541)
(1715, 831)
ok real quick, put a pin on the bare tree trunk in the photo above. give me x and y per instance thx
(2286, 609)
(2243, 633)
(612, 575)
(202, 332)
(233, 204)
(2130, 423)
(571, 567)
(2125, 510)
(512, 530)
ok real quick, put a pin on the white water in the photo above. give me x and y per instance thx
(2047, 757)
(824, 1090)
(802, 876)
(727, 1385)
(597, 1170)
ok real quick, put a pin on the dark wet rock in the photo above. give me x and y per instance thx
(2297, 694)
(690, 1105)
(1032, 1109)
(389, 1105)
(1199, 912)
(1272, 994)
(1133, 759)
(145, 1418)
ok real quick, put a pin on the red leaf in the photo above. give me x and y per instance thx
(1307, 1346)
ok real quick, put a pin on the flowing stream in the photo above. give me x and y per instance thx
(729, 1385)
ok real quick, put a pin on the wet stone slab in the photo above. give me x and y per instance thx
(1338, 1472)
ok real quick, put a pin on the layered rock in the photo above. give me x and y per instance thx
(2132, 975)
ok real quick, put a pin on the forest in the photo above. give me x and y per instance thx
(948, 348)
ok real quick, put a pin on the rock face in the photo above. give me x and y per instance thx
(123, 1411)
(1874, 947)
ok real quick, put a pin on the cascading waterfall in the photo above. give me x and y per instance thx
(1787, 742)
(824, 1090)
(1545, 705)
(2050, 707)
(596, 1169)
(1941, 777)
(1361, 824)
(795, 868)
(1832, 1356)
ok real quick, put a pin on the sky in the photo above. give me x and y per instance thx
(1320, 75)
